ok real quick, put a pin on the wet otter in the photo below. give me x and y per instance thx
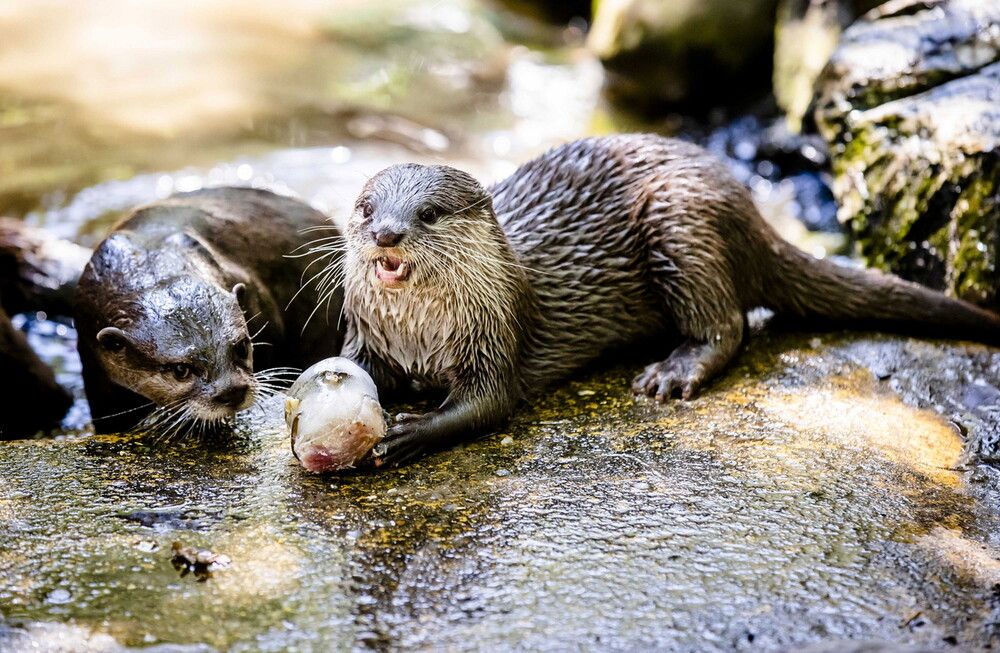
(595, 245)
(167, 306)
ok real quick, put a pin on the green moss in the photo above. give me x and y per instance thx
(977, 218)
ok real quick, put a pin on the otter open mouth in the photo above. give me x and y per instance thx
(392, 270)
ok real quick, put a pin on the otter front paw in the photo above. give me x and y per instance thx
(679, 375)
(404, 442)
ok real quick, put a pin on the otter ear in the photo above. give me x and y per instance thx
(112, 339)
(240, 293)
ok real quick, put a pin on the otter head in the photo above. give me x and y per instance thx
(412, 224)
(183, 343)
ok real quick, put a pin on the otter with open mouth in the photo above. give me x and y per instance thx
(189, 295)
(492, 295)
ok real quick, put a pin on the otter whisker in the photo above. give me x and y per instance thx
(305, 284)
(477, 254)
(316, 241)
(281, 368)
(484, 198)
(318, 227)
(327, 297)
(167, 427)
(259, 331)
(124, 412)
(160, 412)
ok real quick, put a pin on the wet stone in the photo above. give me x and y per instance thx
(802, 499)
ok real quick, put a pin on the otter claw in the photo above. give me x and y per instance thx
(402, 444)
(667, 379)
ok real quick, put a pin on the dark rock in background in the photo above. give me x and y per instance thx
(32, 400)
(38, 271)
(553, 11)
(910, 106)
(684, 55)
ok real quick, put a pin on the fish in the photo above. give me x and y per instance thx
(334, 416)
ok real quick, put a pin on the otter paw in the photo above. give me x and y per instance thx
(403, 443)
(676, 376)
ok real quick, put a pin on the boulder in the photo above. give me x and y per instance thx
(685, 54)
(38, 271)
(909, 105)
(806, 34)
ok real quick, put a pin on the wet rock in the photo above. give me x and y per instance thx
(806, 34)
(910, 105)
(200, 562)
(32, 400)
(803, 500)
(696, 55)
(847, 646)
(38, 272)
(50, 637)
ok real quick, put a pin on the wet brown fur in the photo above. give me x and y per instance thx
(595, 245)
(190, 280)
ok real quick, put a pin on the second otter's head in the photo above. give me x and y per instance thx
(415, 224)
(182, 344)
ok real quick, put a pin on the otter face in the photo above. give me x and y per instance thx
(413, 223)
(184, 344)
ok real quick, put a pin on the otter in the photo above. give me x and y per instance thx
(491, 295)
(191, 294)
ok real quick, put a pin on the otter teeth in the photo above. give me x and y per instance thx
(392, 269)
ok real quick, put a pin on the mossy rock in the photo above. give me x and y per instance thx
(910, 106)
(806, 34)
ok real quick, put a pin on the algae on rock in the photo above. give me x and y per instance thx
(910, 105)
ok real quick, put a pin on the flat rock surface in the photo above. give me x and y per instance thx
(817, 492)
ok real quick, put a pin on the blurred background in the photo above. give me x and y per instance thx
(100, 94)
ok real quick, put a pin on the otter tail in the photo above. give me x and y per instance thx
(821, 291)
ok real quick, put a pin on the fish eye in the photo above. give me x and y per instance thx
(242, 349)
(428, 215)
(181, 371)
(367, 209)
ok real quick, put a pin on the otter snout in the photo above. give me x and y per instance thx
(386, 237)
(233, 397)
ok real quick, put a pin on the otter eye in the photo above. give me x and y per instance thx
(113, 344)
(428, 215)
(242, 349)
(367, 209)
(181, 371)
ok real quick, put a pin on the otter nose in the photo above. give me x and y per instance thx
(232, 396)
(386, 238)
